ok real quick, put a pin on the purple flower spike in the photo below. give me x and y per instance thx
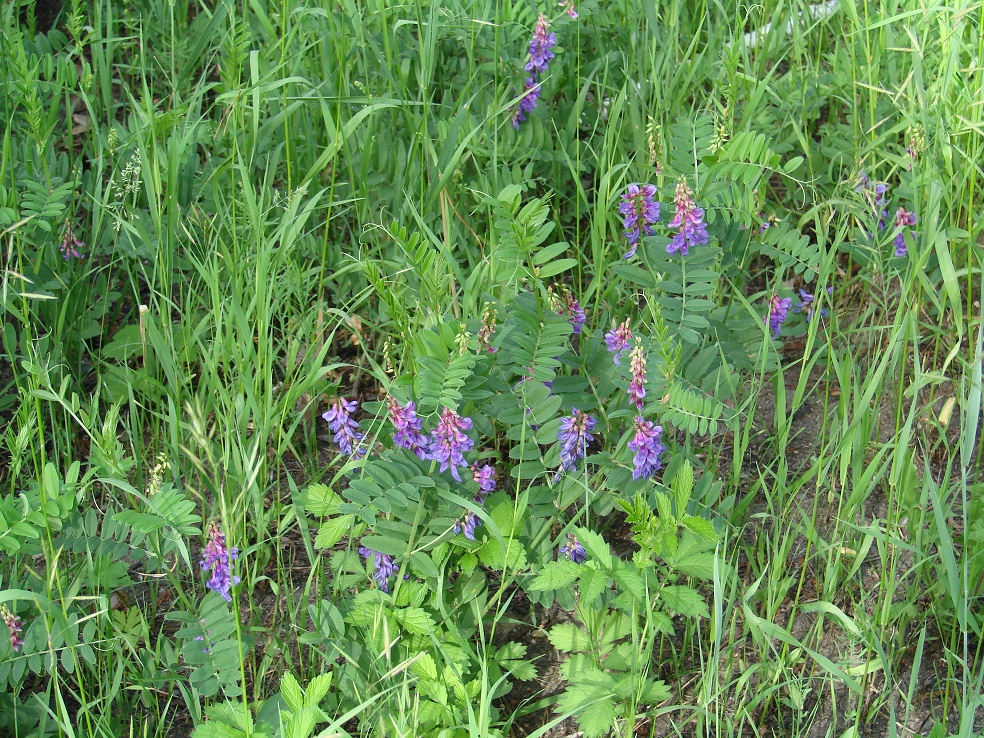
(485, 479)
(382, 567)
(568, 6)
(528, 102)
(345, 429)
(689, 219)
(70, 245)
(467, 525)
(573, 550)
(489, 319)
(647, 447)
(637, 385)
(806, 305)
(639, 211)
(576, 314)
(574, 435)
(617, 340)
(903, 219)
(566, 304)
(449, 442)
(778, 309)
(541, 47)
(218, 558)
(407, 427)
(877, 194)
(15, 625)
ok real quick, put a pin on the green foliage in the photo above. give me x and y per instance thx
(280, 204)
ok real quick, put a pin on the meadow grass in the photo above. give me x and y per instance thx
(275, 200)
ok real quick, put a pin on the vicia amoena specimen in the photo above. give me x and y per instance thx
(778, 310)
(449, 442)
(617, 340)
(346, 430)
(903, 219)
(541, 52)
(407, 427)
(15, 625)
(689, 219)
(637, 385)
(382, 567)
(574, 435)
(639, 211)
(647, 448)
(573, 550)
(218, 558)
(806, 305)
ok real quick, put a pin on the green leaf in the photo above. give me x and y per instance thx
(336, 529)
(556, 267)
(629, 580)
(321, 501)
(592, 583)
(415, 620)
(685, 600)
(701, 526)
(589, 700)
(569, 638)
(424, 666)
(317, 689)
(555, 575)
(595, 547)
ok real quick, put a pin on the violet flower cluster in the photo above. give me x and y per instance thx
(647, 448)
(778, 310)
(70, 245)
(484, 477)
(566, 304)
(218, 558)
(903, 219)
(541, 52)
(485, 331)
(573, 550)
(569, 8)
(806, 305)
(346, 430)
(617, 340)
(574, 436)
(877, 194)
(637, 385)
(407, 427)
(382, 564)
(639, 211)
(15, 625)
(449, 442)
(689, 219)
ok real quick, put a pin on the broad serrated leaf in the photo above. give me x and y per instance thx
(555, 575)
(684, 600)
(291, 690)
(569, 638)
